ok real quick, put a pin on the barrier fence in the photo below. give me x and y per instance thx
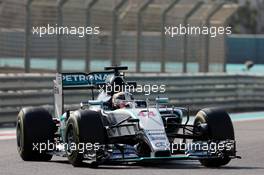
(242, 48)
(232, 92)
(132, 33)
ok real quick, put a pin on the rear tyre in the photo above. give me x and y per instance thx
(219, 127)
(34, 127)
(83, 127)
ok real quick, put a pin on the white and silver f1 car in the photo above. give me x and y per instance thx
(116, 128)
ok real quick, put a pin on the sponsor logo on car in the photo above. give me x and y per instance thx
(160, 144)
(79, 79)
(146, 114)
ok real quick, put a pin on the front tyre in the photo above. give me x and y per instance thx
(83, 127)
(72, 138)
(219, 127)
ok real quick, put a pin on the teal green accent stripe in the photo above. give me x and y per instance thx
(178, 157)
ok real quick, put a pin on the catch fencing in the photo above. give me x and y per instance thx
(132, 33)
(232, 92)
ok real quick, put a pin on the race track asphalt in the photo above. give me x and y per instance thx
(250, 145)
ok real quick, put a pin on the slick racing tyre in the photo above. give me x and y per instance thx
(83, 127)
(34, 127)
(219, 127)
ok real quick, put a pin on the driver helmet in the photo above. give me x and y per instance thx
(122, 100)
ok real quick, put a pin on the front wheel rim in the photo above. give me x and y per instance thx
(70, 140)
(19, 138)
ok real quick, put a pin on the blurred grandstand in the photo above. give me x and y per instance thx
(132, 34)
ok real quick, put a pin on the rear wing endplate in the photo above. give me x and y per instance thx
(75, 81)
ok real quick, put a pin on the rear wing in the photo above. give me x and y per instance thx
(75, 81)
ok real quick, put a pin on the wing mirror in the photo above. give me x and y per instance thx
(162, 100)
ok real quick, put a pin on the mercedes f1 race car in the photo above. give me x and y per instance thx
(117, 128)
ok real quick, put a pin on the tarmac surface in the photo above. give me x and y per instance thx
(250, 145)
